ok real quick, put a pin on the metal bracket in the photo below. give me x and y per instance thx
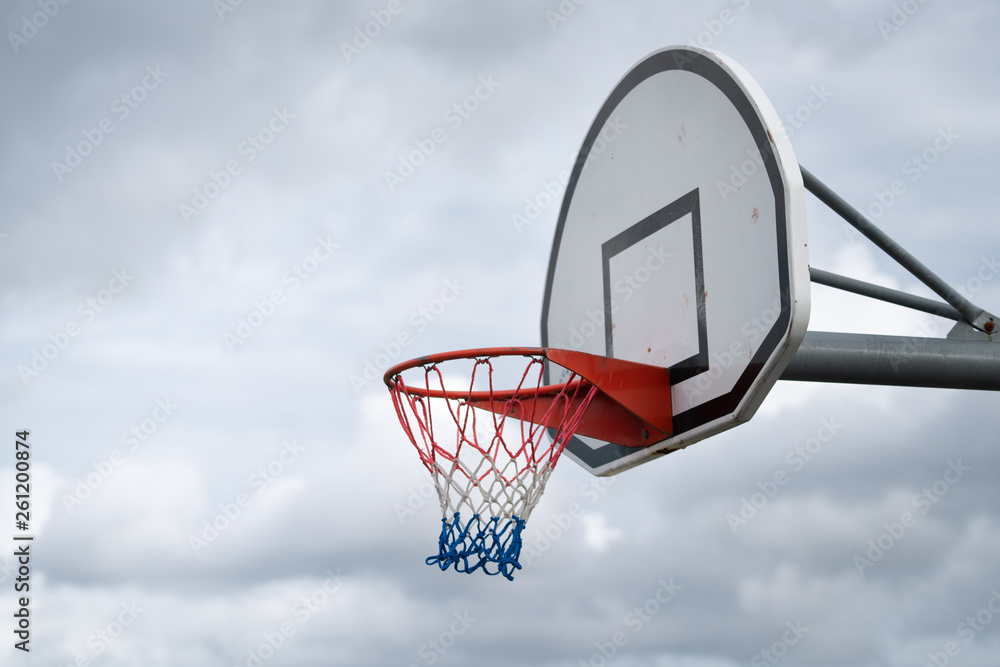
(964, 331)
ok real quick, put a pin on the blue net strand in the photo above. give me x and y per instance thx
(479, 544)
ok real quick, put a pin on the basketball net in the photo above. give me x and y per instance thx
(487, 451)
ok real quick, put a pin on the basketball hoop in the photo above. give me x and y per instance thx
(486, 447)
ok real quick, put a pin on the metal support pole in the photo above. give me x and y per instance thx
(896, 360)
(837, 281)
(971, 313)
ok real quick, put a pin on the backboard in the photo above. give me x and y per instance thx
(681, 242)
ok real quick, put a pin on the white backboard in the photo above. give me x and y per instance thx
(681, 242)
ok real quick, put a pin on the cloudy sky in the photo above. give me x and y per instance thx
(201, 255)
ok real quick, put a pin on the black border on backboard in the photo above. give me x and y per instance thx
(687, 204)
(696, 63)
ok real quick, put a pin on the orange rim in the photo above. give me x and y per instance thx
(393, 379)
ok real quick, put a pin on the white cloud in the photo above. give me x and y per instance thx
(598, 535)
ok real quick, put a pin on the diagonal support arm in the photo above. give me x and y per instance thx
(973, 314)
(904, 299)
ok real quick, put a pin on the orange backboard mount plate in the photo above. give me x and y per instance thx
(632, 407)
